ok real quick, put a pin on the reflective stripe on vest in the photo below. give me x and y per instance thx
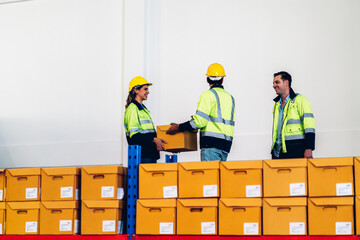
(145, 122)
(309, 130)
(294, 137)
(310, 115)
(293, 121)
(216, 135)
(219, 118)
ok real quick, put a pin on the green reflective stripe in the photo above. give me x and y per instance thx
(145, 122)
(216, 135)
(203, 115)
(133, 130)
(219, 118)
(293, 121)
(294, 137)
(309, 115)
(193, 125)
(309, 130)
(147, 131)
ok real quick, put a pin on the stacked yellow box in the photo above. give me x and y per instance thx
(22, 201)
(240, 203)
(331, 201)
(285, 192)
(156, 206)
(357, 193)
(2, 201)
(102, 193)
(59, 208)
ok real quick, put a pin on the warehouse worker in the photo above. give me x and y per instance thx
(294, 125)
(138, 125)
(214, 117)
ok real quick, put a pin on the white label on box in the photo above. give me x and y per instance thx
(31, 193)
(251, 228)
(107, 192)
(210, 191)
(297, 228)
(1, 195)
(166, 228)
(1, 231)
(77, 226)
(343, 228)
(120, 193)
(66, 192)
(65, 225)
(108, 226)
(297, 189)
(120, 227)
(77, 193)
(344, 189)
(253, 191)
(31, 227)
(170, 192)
(208, 227)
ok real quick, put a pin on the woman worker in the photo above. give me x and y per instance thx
(139, 127)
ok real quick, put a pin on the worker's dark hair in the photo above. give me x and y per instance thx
(284, 76)
(132, 95)
(216, 83)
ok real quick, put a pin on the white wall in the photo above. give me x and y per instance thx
(65, 67)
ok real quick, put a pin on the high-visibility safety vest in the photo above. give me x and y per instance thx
(298, 122)
(215, 118)
(140, 129)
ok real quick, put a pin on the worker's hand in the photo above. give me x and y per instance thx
(173, 129)
(159, 143)
(308, 154)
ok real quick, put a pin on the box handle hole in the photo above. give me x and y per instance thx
(284, 209)
(196, 210)
(21, 212)
(58, 211)
(155, 210)
(57, 178)
(97, 211)
(157, 174)
(98, 177)
(239, 210)
(22, 178)
(197, 172)
(284, 170)
(242, 172)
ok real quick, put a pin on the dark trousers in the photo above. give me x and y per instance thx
(288, 155)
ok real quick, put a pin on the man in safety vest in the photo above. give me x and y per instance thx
(214, 117)
(293, 133)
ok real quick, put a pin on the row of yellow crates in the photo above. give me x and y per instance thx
(249, 216)
(321, 177)
(97, 217)
(58, 184)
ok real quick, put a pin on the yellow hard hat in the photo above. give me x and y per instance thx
(138, 81)
(216, 70)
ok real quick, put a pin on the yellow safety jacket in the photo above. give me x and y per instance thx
(215, 119)
(140, 129)
(298, 129)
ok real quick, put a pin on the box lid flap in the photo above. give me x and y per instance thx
(103, 203)
(23, 171)
(333, 201)
(60, 204)
(210, 165)
(241, 202)
(357, 159)
(103, 170)
(200, 202)
(2, 205)
(287, 163)
(160, 203)
(160, 167)
(61, 171)
(332, 162)
(233, 165)
(292, 202)
(163, 128)
(23, 205)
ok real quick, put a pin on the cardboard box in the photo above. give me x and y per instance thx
(59, 218)
(23, 184)
(2, 218)
(331, 216)
(197, 216)
(159, 180)
(357, 214)
(2, 185)
(101, 217)
(60, 184)
(179, 142)
(102, 182)
(285, 216)
(357, 175)
(199, 179)
(240, 216)
(285, 178)
(22, 218)
(330, 177)
(156, 216)
(241, 179)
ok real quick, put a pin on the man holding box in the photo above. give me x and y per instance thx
(214, 117)
(294, 125)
